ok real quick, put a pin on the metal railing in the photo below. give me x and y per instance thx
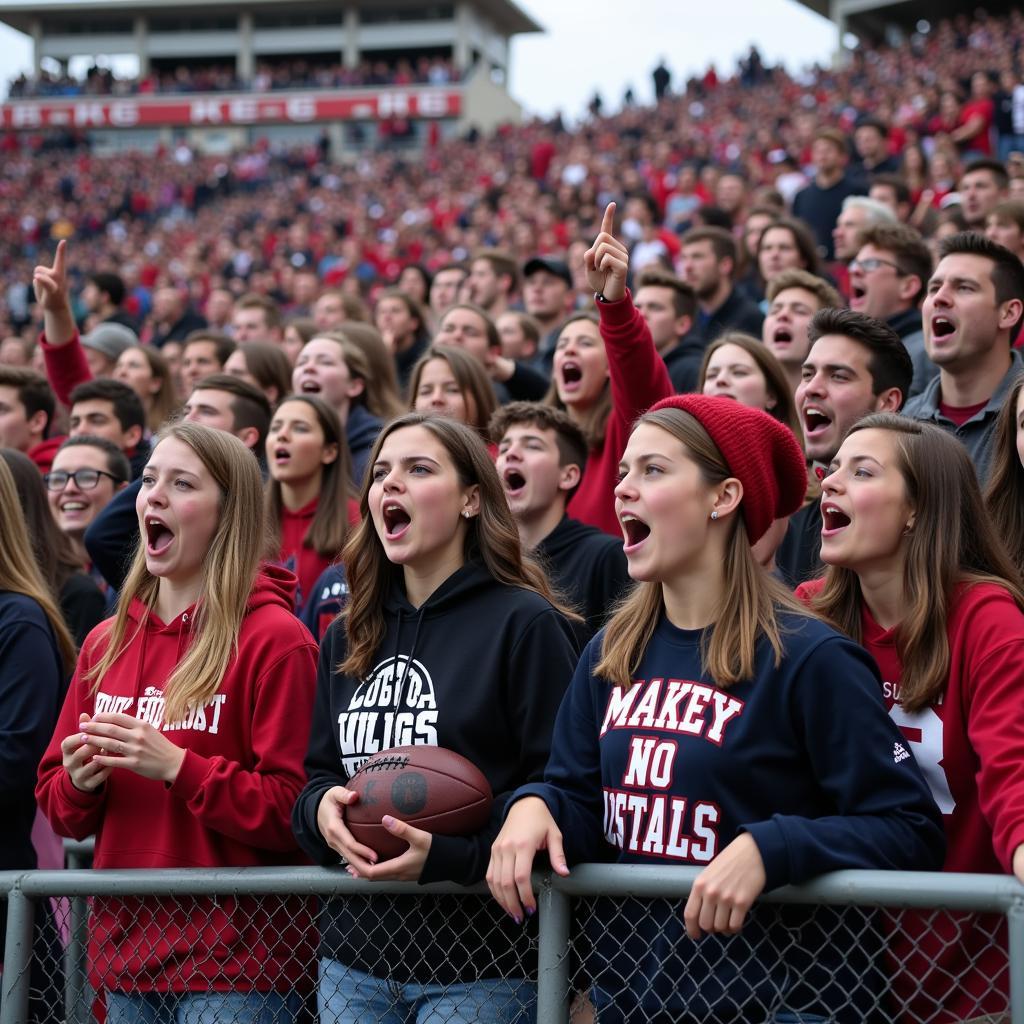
(562, 902)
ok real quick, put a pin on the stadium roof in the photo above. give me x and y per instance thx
(871, 18)
(19, 14)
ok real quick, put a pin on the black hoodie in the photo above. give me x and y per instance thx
(588, 567)
(479, 668)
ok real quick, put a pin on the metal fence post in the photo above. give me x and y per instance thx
(1015, 927)
(17, 957)
(77, 993)
(552, 954)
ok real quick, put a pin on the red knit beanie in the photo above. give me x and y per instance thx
(761, 453)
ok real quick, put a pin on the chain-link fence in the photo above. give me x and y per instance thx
(608, 944)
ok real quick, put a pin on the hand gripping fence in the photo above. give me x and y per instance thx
(608, 944)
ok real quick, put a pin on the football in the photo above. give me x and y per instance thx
(430, 788)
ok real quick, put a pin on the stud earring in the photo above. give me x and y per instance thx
(714, 514)
(465, 512)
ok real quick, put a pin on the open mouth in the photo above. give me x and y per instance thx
(942, 327)
(73, 506)
(636, 531)
(783, 336)
(396, 521)
(857, 294)
(310, 387)
(815, 421)
(571, 374)
(159, 537)
(833, 518)
(282, 455)
(514, 481)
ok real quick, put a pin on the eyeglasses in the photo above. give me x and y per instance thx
(869, 266)
(85, 479)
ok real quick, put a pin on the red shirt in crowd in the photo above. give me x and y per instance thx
(230, 804)
(970, 747)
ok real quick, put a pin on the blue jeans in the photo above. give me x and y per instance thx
(203, 1008)
(345, 995)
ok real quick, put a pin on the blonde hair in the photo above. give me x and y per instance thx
(229, 570)
(19, 573)
(750, 605)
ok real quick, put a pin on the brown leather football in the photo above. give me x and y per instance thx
(430, 788)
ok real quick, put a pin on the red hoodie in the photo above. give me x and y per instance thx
(638, 379)
(42, 454)
(230, 805)
(306, 562)
(970, 746)
(66, 366)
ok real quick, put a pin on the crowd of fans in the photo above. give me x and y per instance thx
(763, 366)
(297, 73)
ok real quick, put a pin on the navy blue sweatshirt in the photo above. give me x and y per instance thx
(479, 668)
(32, 684)
(361, 430)
(803, 757)
(326, 602)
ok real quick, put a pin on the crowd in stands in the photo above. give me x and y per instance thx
(596, 456)
(297, 73)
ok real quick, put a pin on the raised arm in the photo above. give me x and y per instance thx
(638, 374)
(66, 365)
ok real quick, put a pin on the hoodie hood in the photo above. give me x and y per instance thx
(472, 580)
(42, 454)
(566, 536)
(361, 427)
(461, 586)
(273, 585)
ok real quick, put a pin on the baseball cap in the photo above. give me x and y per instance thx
(110, 339)
(557, 267)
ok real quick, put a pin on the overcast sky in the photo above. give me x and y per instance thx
(605, 45)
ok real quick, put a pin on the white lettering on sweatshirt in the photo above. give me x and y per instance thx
(675, 705)
(394, 706)
(150, 708)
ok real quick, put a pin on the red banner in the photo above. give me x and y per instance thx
(209, 110)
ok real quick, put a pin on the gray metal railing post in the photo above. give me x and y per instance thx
(1015, 927)
(17, 957)
(552, 954)
(77, 994)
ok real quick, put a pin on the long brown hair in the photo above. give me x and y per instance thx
(952, 543)
(328, 531)
(594, 421)
(751, 603)
(470, 376)
(776, 381)
(491, 537)
(380, 390)
(163, 403)
(229, 570)
(1005, 494)
(269, 367)
(19, 572)
(54, 553)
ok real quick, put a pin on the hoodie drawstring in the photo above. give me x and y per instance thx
(400, 683)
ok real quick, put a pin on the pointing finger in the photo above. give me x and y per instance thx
(59, 258)
(607, 222)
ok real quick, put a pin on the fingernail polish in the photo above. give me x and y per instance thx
(530, 911)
